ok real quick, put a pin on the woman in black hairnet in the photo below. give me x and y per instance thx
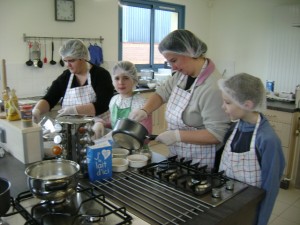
(84, 88)
(196, 121)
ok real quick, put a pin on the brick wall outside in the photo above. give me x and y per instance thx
(138, 53)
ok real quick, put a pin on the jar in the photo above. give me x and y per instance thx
(26, 115)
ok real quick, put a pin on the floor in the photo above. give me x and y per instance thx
(287, 208)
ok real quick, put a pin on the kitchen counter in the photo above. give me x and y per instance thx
(232, 212)
(282, 106)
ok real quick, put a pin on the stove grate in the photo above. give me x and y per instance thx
(151, 200)
(87, 205)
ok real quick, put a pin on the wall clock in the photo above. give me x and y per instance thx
(65, 10)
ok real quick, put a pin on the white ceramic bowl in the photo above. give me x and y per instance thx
(120, 153)
(137, 160)
(119, 164)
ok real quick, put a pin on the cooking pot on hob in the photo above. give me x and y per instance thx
(52, 180)
(4, 196)
(130, 134)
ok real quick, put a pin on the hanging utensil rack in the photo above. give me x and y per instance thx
(25, 38)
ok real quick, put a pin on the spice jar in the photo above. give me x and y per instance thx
(26, 115)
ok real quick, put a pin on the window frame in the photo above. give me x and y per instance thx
(153, 5)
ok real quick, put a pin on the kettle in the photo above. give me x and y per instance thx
(297, 96)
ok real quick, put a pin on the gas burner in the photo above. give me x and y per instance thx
(188, 177)
(202, 186)
(86, 206)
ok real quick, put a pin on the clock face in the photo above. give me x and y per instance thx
(65, 10)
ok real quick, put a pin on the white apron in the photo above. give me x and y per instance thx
(179, 99)
(242, 166)
(79, 95)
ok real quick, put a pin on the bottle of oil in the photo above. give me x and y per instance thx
(13, 112)
(5, 100)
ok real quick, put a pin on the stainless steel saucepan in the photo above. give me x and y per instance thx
(52, 180)
(130, 134)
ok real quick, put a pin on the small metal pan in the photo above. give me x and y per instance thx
(130, 134)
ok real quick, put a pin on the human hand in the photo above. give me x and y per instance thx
(98, 129)
(169, 137)
(138, 115)
(36, 115)
(67, 111)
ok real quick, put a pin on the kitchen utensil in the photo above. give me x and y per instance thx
(120, 153)
(4, 196)
(29, 62)
(119, 164)
(52, 62)
(61, 61)
(130, 134)
(4, 79)
(52, 180)
(45, 58)
(137, 160)
(40, 62)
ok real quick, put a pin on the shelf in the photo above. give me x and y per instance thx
(25, 38)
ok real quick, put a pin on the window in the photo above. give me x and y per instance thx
(143, 24)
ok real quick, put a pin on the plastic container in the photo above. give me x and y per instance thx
(26, 115)
(270, 85)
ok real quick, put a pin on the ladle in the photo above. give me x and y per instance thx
(40, 62)
(29, 62)
(61, 61)
(52, 62)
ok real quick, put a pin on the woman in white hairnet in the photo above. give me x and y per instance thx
(196, 121)
(84, 88)
(252, 153)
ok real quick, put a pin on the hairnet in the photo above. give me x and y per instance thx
(183, 42)
(75, 49)
(243, 87)
(125, 67)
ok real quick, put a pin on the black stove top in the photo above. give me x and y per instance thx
(86, 206)
(210, 186)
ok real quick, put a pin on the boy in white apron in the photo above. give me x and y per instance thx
(252, 153)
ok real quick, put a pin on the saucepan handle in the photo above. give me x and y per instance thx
(151, 137)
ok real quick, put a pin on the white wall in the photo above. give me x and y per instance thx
(241, 40)
(237, 33)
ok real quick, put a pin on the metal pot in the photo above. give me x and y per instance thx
(4, 196)
(52, 180)
(130, 134)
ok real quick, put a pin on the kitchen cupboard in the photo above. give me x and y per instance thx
(284, 125)
(25, 144)
(296, 164)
